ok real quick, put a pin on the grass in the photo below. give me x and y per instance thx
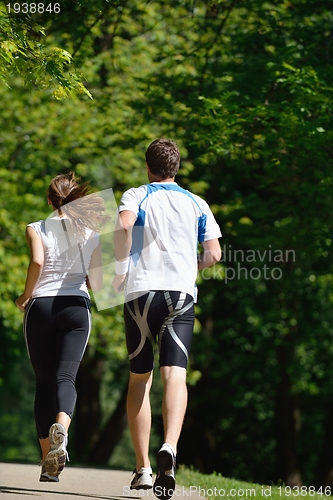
(216, 487)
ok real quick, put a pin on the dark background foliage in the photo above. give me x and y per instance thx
(245, 90)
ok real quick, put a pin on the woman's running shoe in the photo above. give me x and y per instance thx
(56, 458)
(47, 478)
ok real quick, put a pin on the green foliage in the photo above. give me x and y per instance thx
(215, 486)
(23, 52)
(246, 92)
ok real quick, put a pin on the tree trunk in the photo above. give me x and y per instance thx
(288, 423)
(325, 462)
(88, 409)
(111, 434)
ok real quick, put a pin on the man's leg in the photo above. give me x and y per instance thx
(173, 410)
(174, 403)
(175, 339)
(139, 415)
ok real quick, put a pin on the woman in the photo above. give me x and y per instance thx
(63, 249)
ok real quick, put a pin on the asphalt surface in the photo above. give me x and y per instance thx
(21, 481)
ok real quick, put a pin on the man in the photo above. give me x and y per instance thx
(156, 241)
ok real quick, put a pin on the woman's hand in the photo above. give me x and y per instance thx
(22, 302)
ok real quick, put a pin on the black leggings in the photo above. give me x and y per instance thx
(56, 331)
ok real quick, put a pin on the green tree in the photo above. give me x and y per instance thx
(23, 52)
(245, 90)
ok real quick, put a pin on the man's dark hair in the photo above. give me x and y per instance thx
(163, 158)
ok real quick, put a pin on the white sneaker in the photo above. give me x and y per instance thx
(47, 478)
(165, 482)
(143, 479)
(56, 458)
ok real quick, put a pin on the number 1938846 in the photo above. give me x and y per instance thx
(33, 8)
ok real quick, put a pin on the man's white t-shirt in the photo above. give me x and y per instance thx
(170, 222)
(66, 259)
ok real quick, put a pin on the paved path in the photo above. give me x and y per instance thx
(21, 482)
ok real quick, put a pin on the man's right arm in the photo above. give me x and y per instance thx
(123, 234)
(122, 245)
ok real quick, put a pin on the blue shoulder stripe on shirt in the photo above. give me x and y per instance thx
(168, 186)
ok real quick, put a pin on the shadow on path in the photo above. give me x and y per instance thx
(33, 492)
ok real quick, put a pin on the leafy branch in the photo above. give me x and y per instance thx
(40, 66)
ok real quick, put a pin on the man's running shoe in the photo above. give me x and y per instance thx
(143, 479)
(47, 478)
(56, 458)
(165, 482)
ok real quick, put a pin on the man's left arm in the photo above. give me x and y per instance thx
(210, 255)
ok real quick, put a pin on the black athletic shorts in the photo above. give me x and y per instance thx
(164, 315)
